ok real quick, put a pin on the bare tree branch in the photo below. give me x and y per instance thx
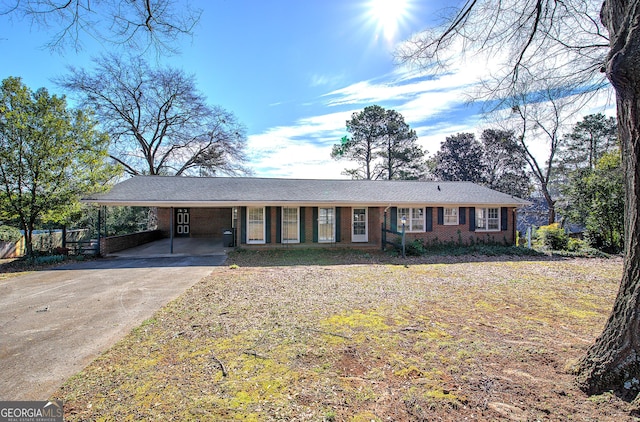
(158, 122)
(137, 25)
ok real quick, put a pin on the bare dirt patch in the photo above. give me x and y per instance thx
(361, 342)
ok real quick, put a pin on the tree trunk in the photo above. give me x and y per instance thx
(28, 240)
(613, 362)
(551, 203)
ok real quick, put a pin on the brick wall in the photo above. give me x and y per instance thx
(307, 224)
(204, 222)
(210, 222)
(164, 221)
(460, 233)
(118, 243)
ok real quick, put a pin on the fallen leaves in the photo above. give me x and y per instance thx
(476, 340)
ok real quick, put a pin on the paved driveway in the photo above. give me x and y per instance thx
(53, 323)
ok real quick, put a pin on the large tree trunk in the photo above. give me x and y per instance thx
(613, 362)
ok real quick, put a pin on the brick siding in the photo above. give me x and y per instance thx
(118, 243)
(210, 222)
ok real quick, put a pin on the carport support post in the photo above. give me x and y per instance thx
(171, 231)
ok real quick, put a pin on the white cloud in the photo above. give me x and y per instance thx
(319, 80)
(432, 105)
(303, 148)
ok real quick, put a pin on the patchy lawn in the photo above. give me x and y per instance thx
(271, 338)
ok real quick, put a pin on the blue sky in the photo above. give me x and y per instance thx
(293, 72)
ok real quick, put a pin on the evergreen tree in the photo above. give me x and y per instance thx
(504, 163)
(382, 144)
(590, 139)
(461, 158)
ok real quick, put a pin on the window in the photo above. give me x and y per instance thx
(488, 219)
(326, 225)
(414, 217)
(451, 216)
(290, 225)
(255, 225)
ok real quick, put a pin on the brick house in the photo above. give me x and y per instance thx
(264, 212)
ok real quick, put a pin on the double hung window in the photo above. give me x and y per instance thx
(488, 219)
(255, 225)
(290, 225)
(451, 216)
(414, 218)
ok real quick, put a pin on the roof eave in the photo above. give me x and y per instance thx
(236, 203)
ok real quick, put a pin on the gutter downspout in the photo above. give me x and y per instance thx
(171, 231)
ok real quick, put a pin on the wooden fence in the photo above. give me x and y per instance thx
(50, 241)
(385, 241)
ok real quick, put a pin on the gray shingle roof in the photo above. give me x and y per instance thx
(230, 191)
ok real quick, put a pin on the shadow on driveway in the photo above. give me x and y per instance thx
(153, 262)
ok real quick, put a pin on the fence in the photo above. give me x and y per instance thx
(386, 242)
(50, 241)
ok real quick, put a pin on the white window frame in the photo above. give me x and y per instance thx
(284, 226)
(360, 237)
(251, 221)
(485, 222)
(329, 214)
(451, 217)
(415, 223)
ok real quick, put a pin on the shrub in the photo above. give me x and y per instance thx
(9, 234)
(576, 245)
(48, 259)
(415, 248)
(553, 237)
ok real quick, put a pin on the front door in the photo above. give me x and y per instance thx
(182, 222)
(359, 232)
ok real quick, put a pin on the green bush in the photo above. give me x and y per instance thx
(553, 237)
(576, 245)
(48, 259)
(415, 248)
(419, 247)
(9, 234)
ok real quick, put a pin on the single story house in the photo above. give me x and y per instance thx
(263, 212)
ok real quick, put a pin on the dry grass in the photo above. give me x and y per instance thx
(361, 342)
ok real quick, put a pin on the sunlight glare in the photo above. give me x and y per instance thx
(388, 15)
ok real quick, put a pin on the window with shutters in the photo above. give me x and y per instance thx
(290, 225)
(487, 219)
(414, 219)
(255, 225)
(451, 216)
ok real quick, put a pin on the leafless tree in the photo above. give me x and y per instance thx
(575, 44)
(158, 121)
(134, 24)
(538, 119)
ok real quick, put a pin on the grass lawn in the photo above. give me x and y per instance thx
(338, 336)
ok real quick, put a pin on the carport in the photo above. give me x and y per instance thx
(176, 247)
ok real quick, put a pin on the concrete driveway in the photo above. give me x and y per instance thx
(53, 323)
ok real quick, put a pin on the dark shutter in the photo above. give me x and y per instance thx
(267, 224)
(315, 224)
(504, 218)
(429, 216)
(440, 216)
(394, 219)
(278, 224)
(337, 224)
(462, 215)
(302, 225)
(472, 219)
(243, 228)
